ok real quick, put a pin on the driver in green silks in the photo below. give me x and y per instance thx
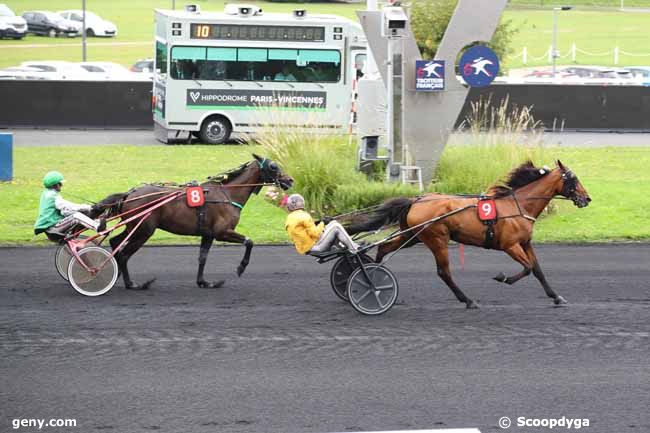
(56, 216)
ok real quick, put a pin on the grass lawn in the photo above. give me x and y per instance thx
(617, 179)
(592, 30)
(95, 172)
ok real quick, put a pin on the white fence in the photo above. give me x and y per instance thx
(573, 53)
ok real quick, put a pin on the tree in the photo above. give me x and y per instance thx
(429, 20)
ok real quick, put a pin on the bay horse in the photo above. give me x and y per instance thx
(523, 197)
(225, 196)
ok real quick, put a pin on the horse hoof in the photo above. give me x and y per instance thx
(144, 286)
(240, 270)
(560, 301)
(214, 285)
(471, 305)
(500, 278)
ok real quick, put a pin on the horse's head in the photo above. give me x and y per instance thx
(270, 172)
(571, 187)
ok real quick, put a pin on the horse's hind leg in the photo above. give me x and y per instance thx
(206, 243)
(537, 271)
(406, 240)
(438, 246)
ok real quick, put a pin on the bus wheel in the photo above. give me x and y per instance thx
(215, 130)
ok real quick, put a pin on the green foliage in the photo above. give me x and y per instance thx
(502, 137)
(323, 168)
(429, 20)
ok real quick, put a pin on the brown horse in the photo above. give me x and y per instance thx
(519, 202)
(225, 197)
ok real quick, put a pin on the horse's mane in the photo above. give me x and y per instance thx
(227, 176)
(521, 176)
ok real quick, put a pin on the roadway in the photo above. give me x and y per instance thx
(276, 351)
(92, 137)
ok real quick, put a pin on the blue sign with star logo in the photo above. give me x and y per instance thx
(479, 66)
(430, 75)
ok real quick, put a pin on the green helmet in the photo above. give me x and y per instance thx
(52, 178)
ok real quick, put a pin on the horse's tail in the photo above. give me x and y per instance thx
(391, 212)
(110, 205)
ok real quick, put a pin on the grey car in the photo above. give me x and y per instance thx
(50, 24)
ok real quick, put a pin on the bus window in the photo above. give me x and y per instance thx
(187, 62)
(255, 64)
(319, 65)
(161, 59)
(360, 65)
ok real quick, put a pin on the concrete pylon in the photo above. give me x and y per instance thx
(429, 117)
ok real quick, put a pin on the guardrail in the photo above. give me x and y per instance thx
(75, 104)
(574, 107)
(123, 105)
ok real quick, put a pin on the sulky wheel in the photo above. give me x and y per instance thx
(62, 260)
(375, 296)
(341, 272)
(100, 276)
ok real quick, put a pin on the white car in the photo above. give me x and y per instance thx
(23, 73)
(59, 70)
(111, 72)
(11, 26)
(95, 25)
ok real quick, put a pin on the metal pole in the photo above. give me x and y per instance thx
(174, 4)
(390, 142)
(83, 30)
(554, 53)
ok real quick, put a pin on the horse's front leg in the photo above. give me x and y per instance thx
(234, 237)
(206, 243)
(501, 277)
(537, 271)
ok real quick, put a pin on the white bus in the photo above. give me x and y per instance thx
(240, 71)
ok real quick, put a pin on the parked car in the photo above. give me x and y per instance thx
(11, 26)
(95, 25)
(640, 73)
(50, 24)
(22, 73)
(111, 71)
(59, 70)
(143, 65)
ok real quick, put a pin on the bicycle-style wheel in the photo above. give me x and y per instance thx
(62, 259)
(342, 270)
(100, 276)
(374, 291)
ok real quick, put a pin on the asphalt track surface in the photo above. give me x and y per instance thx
(276, 351)
(139, 137)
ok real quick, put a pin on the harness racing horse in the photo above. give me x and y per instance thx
(225, 197)
(519, 202)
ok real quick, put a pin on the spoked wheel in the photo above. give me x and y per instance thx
(100, 276)
(375, 296)
(341, 272)
(62, 260)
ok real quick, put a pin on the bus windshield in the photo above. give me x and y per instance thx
(255, 64)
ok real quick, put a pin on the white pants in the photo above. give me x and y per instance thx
(74, 219)
(334, 232)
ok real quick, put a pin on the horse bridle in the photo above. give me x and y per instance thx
(569, 184)
(269, 172)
